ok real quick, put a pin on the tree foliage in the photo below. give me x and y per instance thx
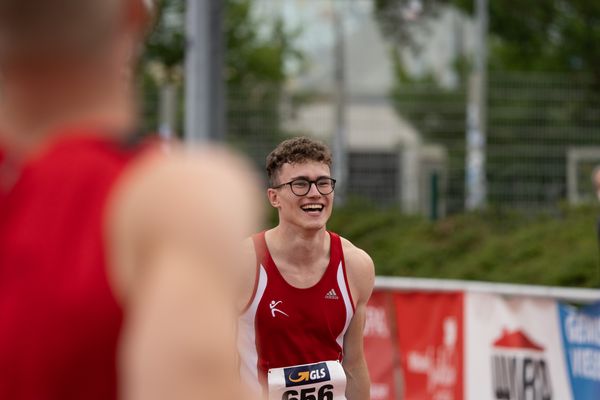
(255, 73)
(544, 88)
(552, 35)
(166, 43)
(254, 66)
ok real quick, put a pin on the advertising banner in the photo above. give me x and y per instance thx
(379, 347)
(513, 349)
(580, 330)
(430, 341)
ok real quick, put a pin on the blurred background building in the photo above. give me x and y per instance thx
(392, 77)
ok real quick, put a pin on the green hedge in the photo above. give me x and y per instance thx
(493, 245)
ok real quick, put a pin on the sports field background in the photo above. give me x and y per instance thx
(401, 69)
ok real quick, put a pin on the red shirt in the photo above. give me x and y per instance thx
(59, 320)
(286, 326)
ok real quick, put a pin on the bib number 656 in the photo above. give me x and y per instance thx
(325, 393)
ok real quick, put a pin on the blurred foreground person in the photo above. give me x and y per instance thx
(114, 258)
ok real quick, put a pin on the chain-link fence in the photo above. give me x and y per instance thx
(537, 124)
(408, 148)
(405, 137)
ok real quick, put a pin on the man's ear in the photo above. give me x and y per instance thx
(273, 197)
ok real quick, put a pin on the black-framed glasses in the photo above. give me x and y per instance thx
(301, 186)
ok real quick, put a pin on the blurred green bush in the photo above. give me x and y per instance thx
(494, 245)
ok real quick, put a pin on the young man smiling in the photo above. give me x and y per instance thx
(305, 288)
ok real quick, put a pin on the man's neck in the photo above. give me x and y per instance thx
(297, 246)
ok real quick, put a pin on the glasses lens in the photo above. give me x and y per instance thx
(300, 187)
(325, 185)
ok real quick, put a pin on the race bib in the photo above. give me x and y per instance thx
(319, 381)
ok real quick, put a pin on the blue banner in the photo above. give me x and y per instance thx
(580, 328)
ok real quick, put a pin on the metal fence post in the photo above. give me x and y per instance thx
(204, 86)
(476, 116)
(340, 156)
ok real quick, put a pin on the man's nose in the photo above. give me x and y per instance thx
(312, 190)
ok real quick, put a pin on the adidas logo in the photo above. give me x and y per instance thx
(332, 295)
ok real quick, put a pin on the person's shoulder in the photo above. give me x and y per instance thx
(356, 256)
(207, 162)
(191, 183)
(359, 264)
(360, 270)
(201, 201)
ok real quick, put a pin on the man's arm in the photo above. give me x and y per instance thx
(361, 276)
(174, 229)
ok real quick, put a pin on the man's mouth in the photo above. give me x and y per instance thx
(312, 208)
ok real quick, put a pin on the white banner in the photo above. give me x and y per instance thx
(513, 349)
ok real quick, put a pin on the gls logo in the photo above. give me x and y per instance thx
(305, 374)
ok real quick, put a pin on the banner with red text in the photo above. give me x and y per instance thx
(513, 349)
(379, 346)
(480, 346)
(430, 339)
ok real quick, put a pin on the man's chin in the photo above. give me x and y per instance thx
(314, 225)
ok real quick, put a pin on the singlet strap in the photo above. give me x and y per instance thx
(336, 252)
(260, 249)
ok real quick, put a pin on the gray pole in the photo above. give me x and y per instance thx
(476, 191)
(167, 110)
(340, 167)
(204, 86)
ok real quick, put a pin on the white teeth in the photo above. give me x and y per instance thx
(312, 207)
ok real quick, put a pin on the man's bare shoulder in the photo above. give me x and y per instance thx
(175, 224)
(357, 256)
(211, 175)
(360, 269)
(202, 201)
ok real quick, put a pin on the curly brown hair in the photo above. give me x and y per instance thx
(294, 151)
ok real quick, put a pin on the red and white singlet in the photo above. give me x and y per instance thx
(59, 320)
(291, 339)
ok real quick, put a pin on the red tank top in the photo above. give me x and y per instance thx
(59, 321)
(286, 326)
